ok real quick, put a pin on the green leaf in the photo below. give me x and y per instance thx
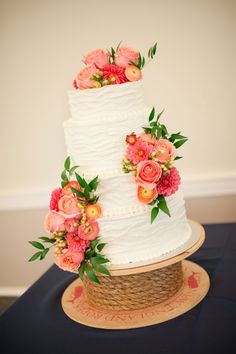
(164, 129)
(152, 114)
(178, 157)
(178, 136)
(118, 46)
(80, 180)
(63, 184)
(163, 206)
(81, 270)
(179, 143)
(77, 192)
(67, 164)
(47, 239)
(94, 183)
(101, 269)
(147, 129)
(64, 176)
(154, 48)
(154, 213)
(101, 260)
(94, 243)
(35, 256)
(43, 253)
(101, 246)
(72, 170)
(37, 244)
(159, 133)
(159, 115)
(87, 193)
(90, 273)
(153, 131)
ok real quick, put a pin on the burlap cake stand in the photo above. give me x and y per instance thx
(140, 296)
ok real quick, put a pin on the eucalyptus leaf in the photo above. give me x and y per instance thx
(64, 176)
(37, 245)
(179, 143)
(163, 206)
(67, 164)
(152, 114)
(35, 256)
(90, 273)
(154, 213)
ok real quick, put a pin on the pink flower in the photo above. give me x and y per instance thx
(148, 173)
(67, 190)
(68, 204)
(90, 231)
(98, 57)
(70, 260)
(84, 77)
(54, 222)
(114, 74)
(75, 243)
(147, 137)
(133, 73)
(164, 150)
(55, 196)
(169, 184)
(139, 151)
(131, 139)
(125, 55)
(71, 224)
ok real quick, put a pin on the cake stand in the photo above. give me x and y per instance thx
(143, 295)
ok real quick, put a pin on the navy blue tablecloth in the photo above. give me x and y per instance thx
(36, 323)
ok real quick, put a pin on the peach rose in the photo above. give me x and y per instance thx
(90, 231)
(70, 261)
(148, 173)
(164, 150)
(67, 190)
(125, 55)
(147, 137)
(54, 222)
(68, 204)
(98, 57)
(84, 77)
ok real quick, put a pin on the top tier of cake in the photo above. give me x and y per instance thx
(106, 103)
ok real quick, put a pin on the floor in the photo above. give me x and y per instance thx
(6, 302)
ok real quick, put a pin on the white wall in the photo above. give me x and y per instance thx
(192, 77)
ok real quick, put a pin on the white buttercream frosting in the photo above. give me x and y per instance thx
(95, 140)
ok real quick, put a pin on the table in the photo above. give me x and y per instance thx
(36, 323)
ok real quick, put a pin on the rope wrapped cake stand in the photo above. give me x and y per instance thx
(139, 296)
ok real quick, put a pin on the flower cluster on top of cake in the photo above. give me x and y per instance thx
(111, 67)
(150, 157)
(73, 226)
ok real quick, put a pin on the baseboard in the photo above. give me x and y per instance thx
(193, 186)
(12, 291)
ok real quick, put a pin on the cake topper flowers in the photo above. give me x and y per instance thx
(111, 67)
(150, 156)
(73, 226)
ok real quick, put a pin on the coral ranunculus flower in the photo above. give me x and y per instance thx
(139, 151)
(70, 260)
(90, 231)
(93, 211)
(75, 243)
(169, 184)
(146, 195)
(148, 173)
(55, 196)
(133, 73)
(98, 57)
(114, 74)
(71, 224)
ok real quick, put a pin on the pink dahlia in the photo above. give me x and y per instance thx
(55, 196)
(169, 184)
(139, 151)
(114, 74)
(75, 243)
